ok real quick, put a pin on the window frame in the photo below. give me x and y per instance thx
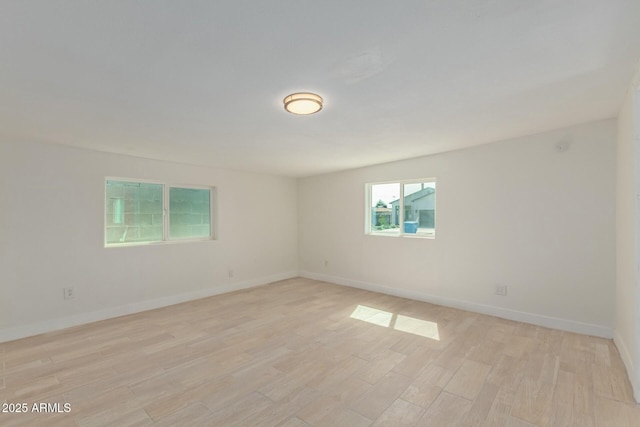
(401, 209)
(166, 213)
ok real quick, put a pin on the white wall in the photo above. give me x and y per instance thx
(51, 236)
(627, 322)
(515, 212)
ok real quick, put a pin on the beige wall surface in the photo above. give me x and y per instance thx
(52, 236)
(518, 213)
(627, 322)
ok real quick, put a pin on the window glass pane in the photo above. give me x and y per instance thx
(189, 213)
(420, 208)
(385, 208)
(133, 213)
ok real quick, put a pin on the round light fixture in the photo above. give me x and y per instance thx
(303, 103)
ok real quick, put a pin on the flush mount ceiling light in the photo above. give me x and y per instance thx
(303, 103)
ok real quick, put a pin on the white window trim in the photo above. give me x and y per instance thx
(213, 197)
(368, 202)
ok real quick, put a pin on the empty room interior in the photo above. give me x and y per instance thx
(294, 213)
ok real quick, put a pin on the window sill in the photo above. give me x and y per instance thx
(159, 243)
(407, 235)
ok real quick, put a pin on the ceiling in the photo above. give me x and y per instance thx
(202, 82)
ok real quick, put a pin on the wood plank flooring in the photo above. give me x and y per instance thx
(307, 353)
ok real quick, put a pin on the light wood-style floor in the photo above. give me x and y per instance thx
(307, 353)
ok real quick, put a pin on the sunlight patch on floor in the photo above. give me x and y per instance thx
(399, 322)
(424, 328)
(372, 315)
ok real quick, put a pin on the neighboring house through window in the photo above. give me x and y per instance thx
(402, 208)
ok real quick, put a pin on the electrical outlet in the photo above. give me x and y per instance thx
(326, 263)
(68, 293)
(230, 273)
(501, 290)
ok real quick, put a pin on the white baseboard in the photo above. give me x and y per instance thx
(17, 332)
(504, 313)
(627, 359)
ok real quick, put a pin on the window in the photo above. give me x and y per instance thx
(189, 213)
(406, 208)
(145, 212)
